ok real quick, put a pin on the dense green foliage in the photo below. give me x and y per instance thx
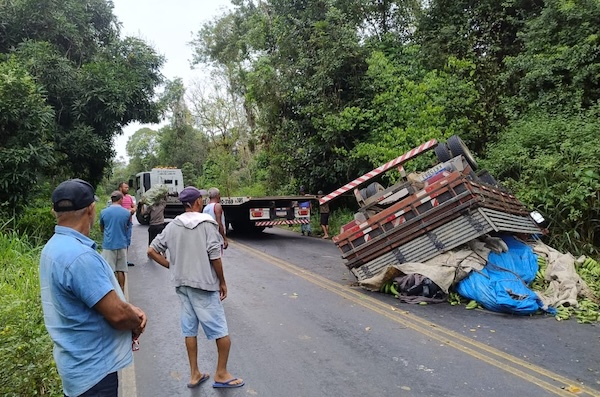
(68, 83)
(553, 161)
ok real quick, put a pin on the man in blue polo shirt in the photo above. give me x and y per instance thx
(85, 312)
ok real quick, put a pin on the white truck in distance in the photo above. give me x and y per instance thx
(242, 214)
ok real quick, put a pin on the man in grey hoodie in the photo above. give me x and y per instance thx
(194, 245)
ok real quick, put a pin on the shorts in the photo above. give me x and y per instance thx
(117, 259)
(199, 307)
(325, 219)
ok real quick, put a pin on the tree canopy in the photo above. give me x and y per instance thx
(92, 82)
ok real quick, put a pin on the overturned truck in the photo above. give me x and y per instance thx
(426, 214)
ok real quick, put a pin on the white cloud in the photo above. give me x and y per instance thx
(168, 26)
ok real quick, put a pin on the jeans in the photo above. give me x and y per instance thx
(107, 387)
(305, 227)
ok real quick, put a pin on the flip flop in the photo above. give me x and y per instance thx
(204, 377)
(228, 384)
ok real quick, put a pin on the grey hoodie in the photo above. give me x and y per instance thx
(192, 239)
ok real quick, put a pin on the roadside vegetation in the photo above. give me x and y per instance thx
(306, 93)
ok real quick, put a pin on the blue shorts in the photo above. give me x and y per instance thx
(204, 308)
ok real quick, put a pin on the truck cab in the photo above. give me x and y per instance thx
(170, 177)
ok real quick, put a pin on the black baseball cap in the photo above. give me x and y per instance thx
(77, 191)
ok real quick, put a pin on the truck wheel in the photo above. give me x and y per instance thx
(371, 190)
(458, 148)
(143, 220)
(442, 153)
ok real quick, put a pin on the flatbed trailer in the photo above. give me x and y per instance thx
(246, 214)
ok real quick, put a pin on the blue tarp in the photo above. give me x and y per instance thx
(502, 284)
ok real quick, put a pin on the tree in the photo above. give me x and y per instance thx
(94, 81)
(484, 33)
(142, 148)
(179, 141)
(25, 126)
(559, 67)
(410, 107)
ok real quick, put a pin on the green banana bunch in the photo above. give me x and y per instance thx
(454, 298)
(587, 312)
(389, 287)
(562, 313)
(472, 305)
(591, 266)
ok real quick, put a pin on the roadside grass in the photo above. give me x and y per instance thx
(26, 363)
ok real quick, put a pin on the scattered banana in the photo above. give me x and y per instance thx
(472, 305)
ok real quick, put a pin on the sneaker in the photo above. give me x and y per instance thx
(303, 233)
(308, 234)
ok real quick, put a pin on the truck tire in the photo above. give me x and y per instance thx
(371, 190)
(142, 219)
(442, 153)
(458, 148)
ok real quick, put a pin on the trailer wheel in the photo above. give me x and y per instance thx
(141, 218)
(442, 153)
(458, 148)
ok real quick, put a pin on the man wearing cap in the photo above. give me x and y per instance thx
(85, 312)
(194, 245)
(115, 225)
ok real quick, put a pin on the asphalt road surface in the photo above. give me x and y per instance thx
(300, 327)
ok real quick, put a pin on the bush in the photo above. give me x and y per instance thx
(36, 223)
(551, 163)
(26, 363)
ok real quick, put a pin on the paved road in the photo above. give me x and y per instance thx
(300, 327)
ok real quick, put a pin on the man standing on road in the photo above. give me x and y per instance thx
(114, 224)
(129, 204)
(85, 311)
(215, 209)
(324, 211)
(194, 245)
(156, 211)
(305, 227)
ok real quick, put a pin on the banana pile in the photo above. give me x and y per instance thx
(389, 287)
(539, 283)
(586, 311)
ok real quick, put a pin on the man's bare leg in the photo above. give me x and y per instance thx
(121, 280)
(222, 375)
(191, 345)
